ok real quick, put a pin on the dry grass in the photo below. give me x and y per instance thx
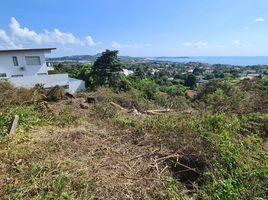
(114, 169)
(93, 160)
(102, 153)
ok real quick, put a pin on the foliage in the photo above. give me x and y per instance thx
(236, 165)
(220, 140)
(29, 117)
(66, 117)
(247, 96)
(20, 96)
(106, 70)
(232, 173)
(130, 99)
(55, 94)
(190, 81)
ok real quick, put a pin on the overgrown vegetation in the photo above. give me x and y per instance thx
(212, 146)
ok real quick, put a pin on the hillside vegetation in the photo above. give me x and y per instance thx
(107, 143)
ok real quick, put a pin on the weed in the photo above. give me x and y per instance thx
(67, 117)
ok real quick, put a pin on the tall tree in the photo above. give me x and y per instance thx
(190, 81)
(107, 68)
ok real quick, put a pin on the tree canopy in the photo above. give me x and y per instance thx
(107, 68)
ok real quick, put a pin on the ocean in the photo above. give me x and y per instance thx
(229, 60)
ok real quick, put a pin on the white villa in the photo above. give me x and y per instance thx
(28, 67)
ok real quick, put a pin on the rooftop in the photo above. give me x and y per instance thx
(36, 49)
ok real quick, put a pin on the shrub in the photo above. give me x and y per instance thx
(130, 99)
(29, 116)
(66, 117)
(4, 124)
(20, 96)
(56, 93)
(239, 171)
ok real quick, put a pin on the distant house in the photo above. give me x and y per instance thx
(249, 76)
(202, 82)
(127, 72)
(191, 93)
(28, 67)
(164, 94)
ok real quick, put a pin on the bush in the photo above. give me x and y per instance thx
(29, 116)
(20, 96)
(66, 117)
(234, 165)
(243, 97)
(4, 124)
(130, 99)
(56, 93)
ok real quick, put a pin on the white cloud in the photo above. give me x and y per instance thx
(24, 36)
(90, 41)
(7, 40)
(117, 45)
(236, 42)
(246, 28)
(260, 19)
(201, 45)
(187, 44)
(198, 45)
(218, 46)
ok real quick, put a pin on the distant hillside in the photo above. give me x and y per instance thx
(165, 57)
(91, 58)
(75, 57)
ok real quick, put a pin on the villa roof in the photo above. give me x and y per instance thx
(18, 50)
(191, 93)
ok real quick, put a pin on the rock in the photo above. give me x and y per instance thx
(69, 95)
(91, 100)
(135, 112)
(70, 102)
(84, 106)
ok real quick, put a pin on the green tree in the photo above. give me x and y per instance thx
(106, 70)
(140, 73)
(198, 71)
(84, 73)
(190, 81)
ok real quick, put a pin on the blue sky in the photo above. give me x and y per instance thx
(138, 27)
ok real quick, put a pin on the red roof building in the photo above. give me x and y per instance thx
(191, 93)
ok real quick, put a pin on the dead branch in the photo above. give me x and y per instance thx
(177, 163)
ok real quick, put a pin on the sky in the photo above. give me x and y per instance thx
(137, 27)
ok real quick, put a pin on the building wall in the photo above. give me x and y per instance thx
(46, 80)
(76, 86)
(7, 65)
(72, 85)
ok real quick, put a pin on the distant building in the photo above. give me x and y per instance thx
(191, 93)
(164, 94)
(28, 67)
(127, 72)
(249, 76)
(203, 81)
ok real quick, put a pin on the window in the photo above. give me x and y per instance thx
(3, 75)
(18, 75)
(15, 61)
(33, 60)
